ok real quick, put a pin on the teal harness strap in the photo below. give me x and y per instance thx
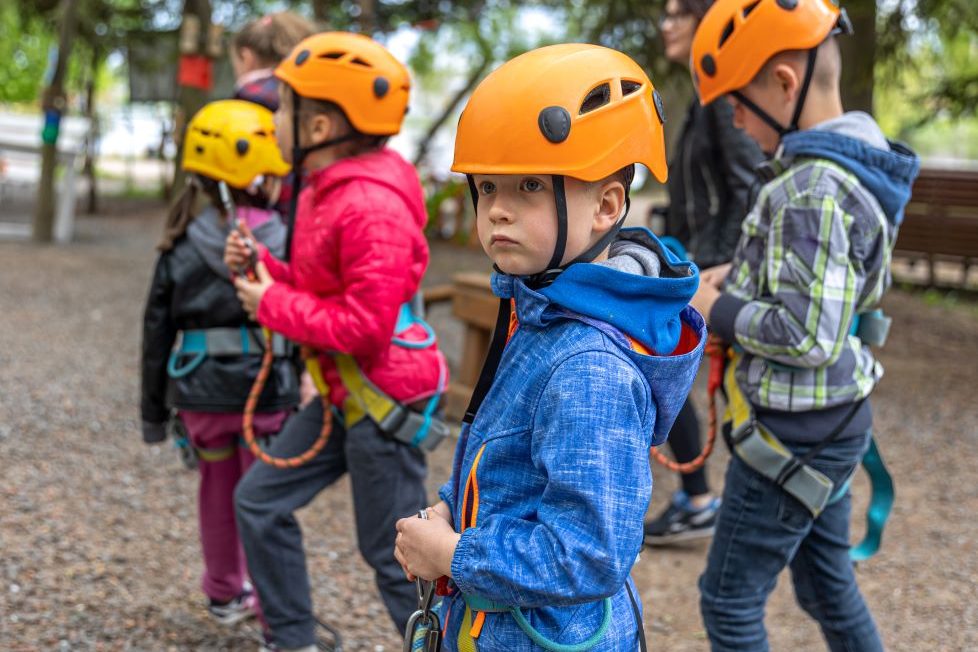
(475, 603)
(880, 504)
(407, 318)
(193, 344)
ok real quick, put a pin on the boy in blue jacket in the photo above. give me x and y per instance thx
(594, 352)
(813, 256)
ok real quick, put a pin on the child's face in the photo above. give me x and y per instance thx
(517, 218)
(775, 95)
(283, 123)
(314, 128)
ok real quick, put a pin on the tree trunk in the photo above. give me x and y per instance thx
(448, 110)
(190, 100)
(89, 169)
(368, 16)
(53, 100)
(320, 12)
(859, 55)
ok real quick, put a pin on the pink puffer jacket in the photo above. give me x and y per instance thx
(358, 254)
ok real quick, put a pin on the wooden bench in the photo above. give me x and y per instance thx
(941, 220)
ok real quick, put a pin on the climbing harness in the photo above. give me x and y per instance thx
(196, 345)
(761, 450)
(423, 631)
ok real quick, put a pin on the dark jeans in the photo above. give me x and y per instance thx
(388, 484)
(760, 530)
(684, 440)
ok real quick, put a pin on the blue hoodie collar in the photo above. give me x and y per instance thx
(889, 175)
(644, 308)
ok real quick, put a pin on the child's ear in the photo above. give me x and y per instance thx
(320, 128)
(787, 81)
(611, 203)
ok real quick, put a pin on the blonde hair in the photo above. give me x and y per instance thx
(272, 37)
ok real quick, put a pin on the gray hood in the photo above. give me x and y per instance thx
(208, 231)
(858, 125)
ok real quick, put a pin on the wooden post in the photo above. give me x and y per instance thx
(474, 304)
(53, 104)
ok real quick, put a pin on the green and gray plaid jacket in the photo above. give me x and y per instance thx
(814, 252)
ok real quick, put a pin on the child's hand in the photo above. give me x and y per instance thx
(715, 276)
(441, 508)
(425, 548)
(706, 295)
(250, 293)
(236, 252)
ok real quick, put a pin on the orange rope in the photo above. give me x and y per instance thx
(248, 426)
(717, 351)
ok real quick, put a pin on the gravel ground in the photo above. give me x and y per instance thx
(98, 546)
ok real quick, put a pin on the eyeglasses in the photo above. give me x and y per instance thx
(667, 18)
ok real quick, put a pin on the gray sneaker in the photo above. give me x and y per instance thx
(239, 608)
(682, 522)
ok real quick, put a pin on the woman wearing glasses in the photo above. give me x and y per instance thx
(710, 176)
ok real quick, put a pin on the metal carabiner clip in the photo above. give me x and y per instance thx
(424, 619)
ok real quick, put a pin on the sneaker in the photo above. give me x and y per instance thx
(682, 522)
(233, 611)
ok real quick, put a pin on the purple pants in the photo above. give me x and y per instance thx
(225, 569)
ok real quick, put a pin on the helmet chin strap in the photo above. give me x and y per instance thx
(843, 26)
(554, 267)
(781, 130)
(299, 155)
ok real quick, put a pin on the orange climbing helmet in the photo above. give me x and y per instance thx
(354, 72)
(575, 109)
(737, 37)
(233, 141)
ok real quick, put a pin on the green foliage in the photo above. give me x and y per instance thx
(25, 55)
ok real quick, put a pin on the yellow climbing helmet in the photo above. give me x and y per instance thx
(233, 141)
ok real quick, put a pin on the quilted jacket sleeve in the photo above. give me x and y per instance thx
(377, 271)
(279, 269)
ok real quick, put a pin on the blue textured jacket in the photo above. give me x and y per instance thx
(562, 440)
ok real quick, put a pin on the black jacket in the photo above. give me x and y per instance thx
(710, 177)
(191, 289)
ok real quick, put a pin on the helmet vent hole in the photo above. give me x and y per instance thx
(360, 62)
(751, 7)
(628, 87)
(332, 55)
(597, 98)
(727, 31)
